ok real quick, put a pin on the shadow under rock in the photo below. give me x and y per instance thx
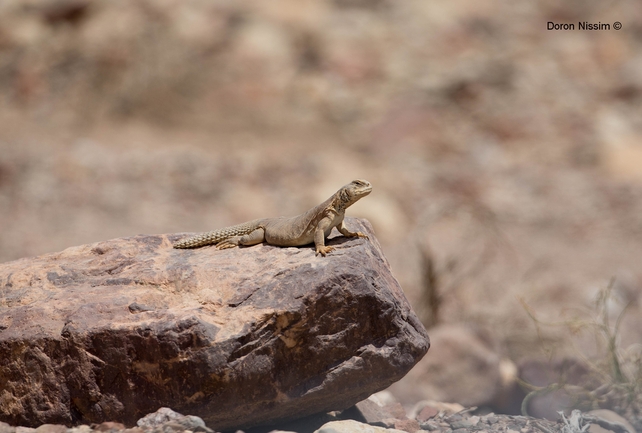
(307, 424)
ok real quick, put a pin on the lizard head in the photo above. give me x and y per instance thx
(354, 191)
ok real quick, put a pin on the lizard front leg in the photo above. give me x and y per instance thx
(319, 237)
(255, 237)
(347, 233)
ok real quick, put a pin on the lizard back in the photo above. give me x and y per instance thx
(298, 230)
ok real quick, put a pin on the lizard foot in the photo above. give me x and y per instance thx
(323, 250)
(357, 235)
(223, 245)
(362, 235)
(230, 242)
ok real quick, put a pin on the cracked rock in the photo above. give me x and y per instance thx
(236, 337)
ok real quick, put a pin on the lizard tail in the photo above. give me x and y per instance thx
(216, 236)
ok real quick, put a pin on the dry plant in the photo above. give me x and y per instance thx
(615, 375)
(443, 278)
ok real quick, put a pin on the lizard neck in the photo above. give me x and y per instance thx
(341, 201)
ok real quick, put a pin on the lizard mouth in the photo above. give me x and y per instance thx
(362, 188)
(364, 191)
(364, 184)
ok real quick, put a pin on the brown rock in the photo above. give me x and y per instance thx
(374, 413)
(370, 412)
(407, 425)
(427, 413)
(238, 337)
(390, 415)
(396, 410)
(161, 416)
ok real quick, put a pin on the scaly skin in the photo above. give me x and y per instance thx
(312, 226)
(216, 236)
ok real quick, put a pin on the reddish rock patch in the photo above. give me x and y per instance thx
(114, 330)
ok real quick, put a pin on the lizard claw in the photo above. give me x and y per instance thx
(223, 245)
(357, 235)
(324, 250)
(362, 235)
(230, 242)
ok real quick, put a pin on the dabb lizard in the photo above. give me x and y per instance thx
(312, 226)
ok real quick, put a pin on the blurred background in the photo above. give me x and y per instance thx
(506, 159)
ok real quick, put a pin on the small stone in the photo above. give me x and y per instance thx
(448, 409)
(6, 428)
(371, 411)
(108, 426)
(84, 428)
(427, 413)
(193, 423)
(352, 426)
(159, 417)
(465, 423)
(429, 425)
(51, 428)
(135, 307)
(374, 413)
(407, 425)
(386, 422)
(491, 419)
(170, 426)
(455, 417)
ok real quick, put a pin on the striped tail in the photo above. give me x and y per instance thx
(216, 236)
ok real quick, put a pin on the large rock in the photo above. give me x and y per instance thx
(114, 330)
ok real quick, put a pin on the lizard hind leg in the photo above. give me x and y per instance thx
(255, 237)
(228, 243)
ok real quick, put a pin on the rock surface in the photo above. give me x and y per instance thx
(114, 330)
(351, 421)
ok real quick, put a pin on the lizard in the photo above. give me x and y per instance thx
(312, 226)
